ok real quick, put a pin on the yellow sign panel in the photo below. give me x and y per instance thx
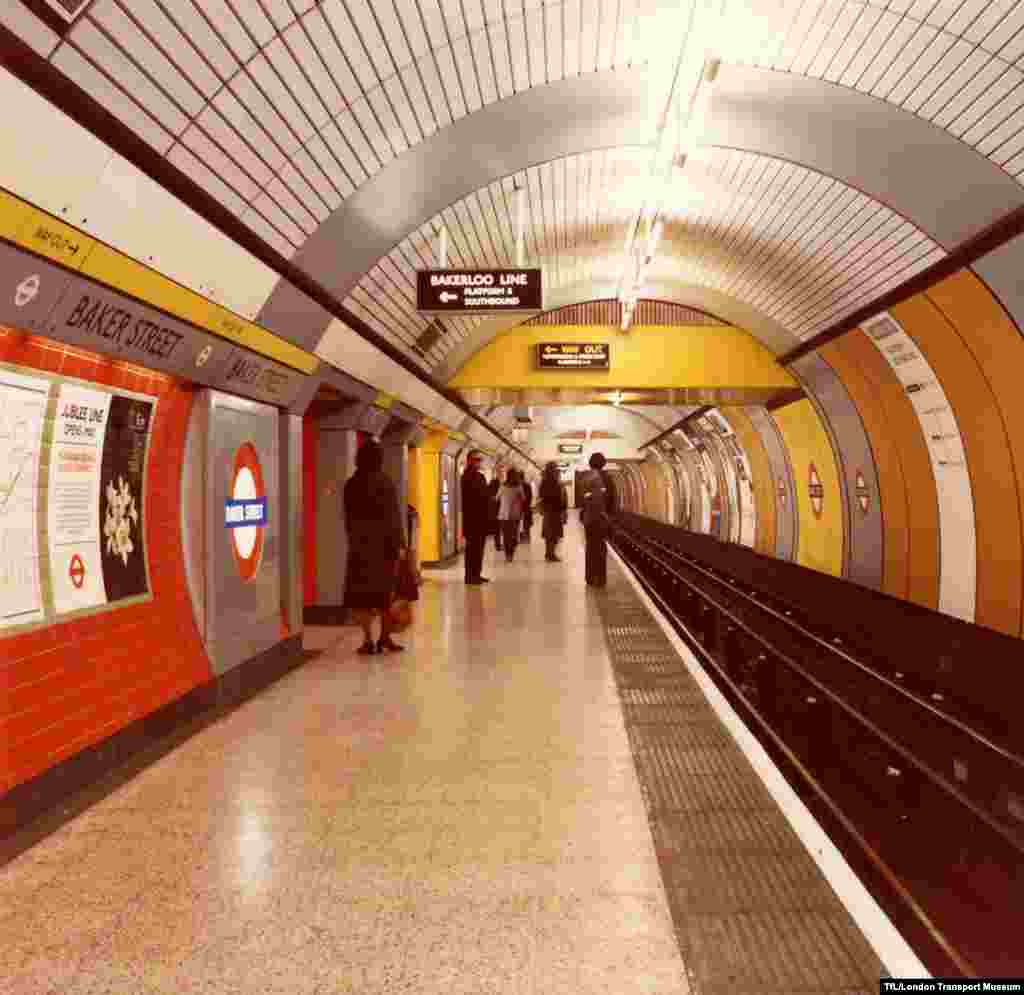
(384, 401)
(12, 215)
(46, 236)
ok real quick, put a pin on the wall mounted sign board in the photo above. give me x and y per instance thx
(573, 356)
(570, 448)
(480, 291)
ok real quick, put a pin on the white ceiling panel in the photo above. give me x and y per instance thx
(203, 169)
(311, 98)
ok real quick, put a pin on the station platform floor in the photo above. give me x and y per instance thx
(474, 815)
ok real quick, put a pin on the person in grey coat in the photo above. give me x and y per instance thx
(554, 505)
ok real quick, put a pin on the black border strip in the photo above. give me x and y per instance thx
(692, 416)
(35, 72)
(1008, 227)
(57, 24)
(31, 811)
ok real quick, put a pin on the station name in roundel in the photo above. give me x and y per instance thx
(815, 490)
(245, 511)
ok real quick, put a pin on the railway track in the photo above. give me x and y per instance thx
(917, 793)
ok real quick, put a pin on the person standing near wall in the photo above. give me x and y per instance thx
(476, 517)
(597, 501)
(374, 522)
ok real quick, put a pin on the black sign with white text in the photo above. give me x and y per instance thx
(573, 356)
(482, 291)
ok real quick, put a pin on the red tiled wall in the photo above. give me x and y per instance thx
(75, 683)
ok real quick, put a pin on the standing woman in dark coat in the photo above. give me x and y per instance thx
(553, 504)
(376, 541)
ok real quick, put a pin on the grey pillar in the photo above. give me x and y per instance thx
(336, 462)
(292, 547)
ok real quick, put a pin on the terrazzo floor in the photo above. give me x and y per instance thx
(463, 817)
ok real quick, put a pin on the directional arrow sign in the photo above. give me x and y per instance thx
(482, 291)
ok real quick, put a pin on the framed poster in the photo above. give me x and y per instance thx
(95, 497)
(23, 401)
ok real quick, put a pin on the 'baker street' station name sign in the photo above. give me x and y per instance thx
(573, 356)
(482, 291)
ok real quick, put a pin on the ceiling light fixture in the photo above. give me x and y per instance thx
(675, 140)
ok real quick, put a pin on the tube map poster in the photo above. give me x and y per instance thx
(22, 414)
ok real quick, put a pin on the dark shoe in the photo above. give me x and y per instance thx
(367, 649)
(387, 644)
(552, 559)
(483, 580)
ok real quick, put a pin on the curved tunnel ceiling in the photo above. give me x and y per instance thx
(634, 427)
(786, 243)
(335, 128)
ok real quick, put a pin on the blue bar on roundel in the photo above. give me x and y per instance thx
(245, 513)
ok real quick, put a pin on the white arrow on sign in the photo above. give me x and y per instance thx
(446, 297)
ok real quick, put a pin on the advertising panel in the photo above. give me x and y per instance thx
(73, 516)
(22, 414)
(122, 483)
(958, 552)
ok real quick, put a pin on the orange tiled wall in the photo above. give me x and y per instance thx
(75, 683)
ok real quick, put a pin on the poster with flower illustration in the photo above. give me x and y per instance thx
(122, 473)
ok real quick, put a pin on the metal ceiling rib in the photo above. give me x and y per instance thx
(804, 249)
(281, 109)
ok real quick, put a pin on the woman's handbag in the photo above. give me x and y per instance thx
(401, 611)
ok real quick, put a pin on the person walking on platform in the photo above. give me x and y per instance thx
(510, 512)
(374, 524)
(554, 505)
(528, 510)
(494, 490)
(476, 517)
(598, 502)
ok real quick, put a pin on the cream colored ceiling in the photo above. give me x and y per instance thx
(284, 109)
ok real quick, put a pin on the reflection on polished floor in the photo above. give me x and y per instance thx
(463, 817)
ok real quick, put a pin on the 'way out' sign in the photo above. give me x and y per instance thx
(480, 291)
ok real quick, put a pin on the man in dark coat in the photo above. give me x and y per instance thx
(598, 503)
(476, 517)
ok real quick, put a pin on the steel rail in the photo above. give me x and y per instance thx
(874, 858)
(902, 751)
(961, 726)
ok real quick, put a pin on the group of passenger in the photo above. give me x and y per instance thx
(378, 545)
(504, 510)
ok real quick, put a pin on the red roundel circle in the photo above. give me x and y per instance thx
(247, 483)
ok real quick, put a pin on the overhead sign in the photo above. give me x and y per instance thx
(482, 291)
(570, 448)
(573, 356)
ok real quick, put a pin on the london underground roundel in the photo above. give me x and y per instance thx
(246, 511)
